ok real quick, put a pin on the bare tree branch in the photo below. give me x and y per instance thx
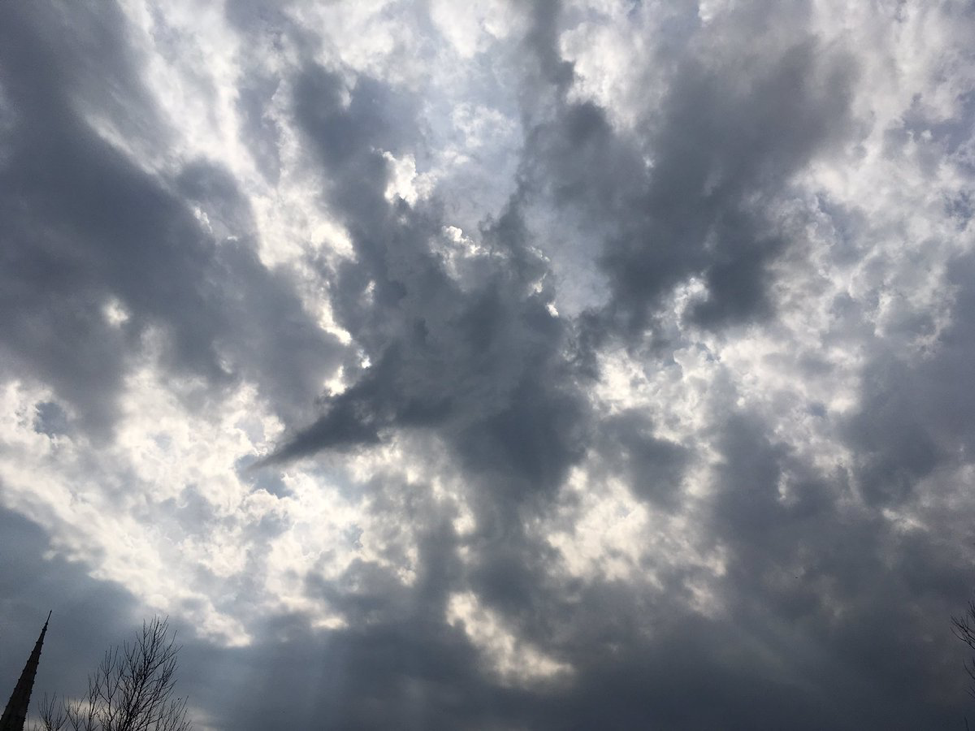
(53, 715)
(131, 690)
(964, 629)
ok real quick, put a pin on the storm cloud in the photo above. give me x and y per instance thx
(501, 365)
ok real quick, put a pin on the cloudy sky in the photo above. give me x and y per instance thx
(493, 365)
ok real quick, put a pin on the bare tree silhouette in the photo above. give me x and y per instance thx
(964, 629)
(131, 690)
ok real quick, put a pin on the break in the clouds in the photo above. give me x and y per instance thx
(493, 365)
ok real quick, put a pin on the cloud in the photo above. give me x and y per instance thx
(688, 193)
(89, 232)
(480, 358)
(521, 366)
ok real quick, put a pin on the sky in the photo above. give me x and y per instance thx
(494, 365)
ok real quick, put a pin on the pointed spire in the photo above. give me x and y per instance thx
(15, 714)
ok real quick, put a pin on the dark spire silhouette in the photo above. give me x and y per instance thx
(15, 714)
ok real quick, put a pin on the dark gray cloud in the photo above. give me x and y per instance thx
(833, 537)
(481, 359)
(651, 466)
(914, 420)
(85, 227)
(845, 584)
(687, 194)
(29, 583)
